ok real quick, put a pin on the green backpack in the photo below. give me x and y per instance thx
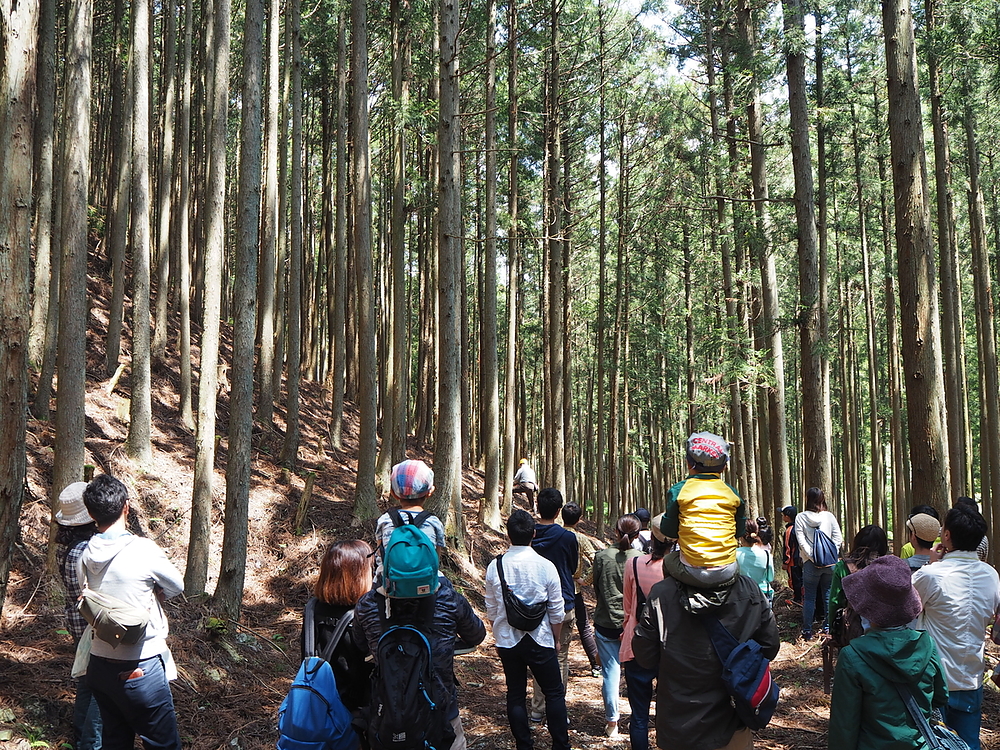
(410, 565)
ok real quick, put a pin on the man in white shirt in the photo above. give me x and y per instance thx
(533, 579)
(525, 482)
(961, 598)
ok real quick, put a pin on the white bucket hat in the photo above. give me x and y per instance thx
(72, 511)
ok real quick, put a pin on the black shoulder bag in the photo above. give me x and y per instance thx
(520, 615)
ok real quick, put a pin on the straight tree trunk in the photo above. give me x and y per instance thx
(340, 280)
(364, 490)
(269, 240)
(184, 226)
(138, 444)
(121, 198)
(925, 412)
(510, 401)
(448, 432)
(18, 31)
(196, 574)
(165, 186)
(778, 431)
(555, 321)
(71, 362)
(811, 312)
(489, 510)
(952, 349)
(296, 251)
(44, 147)
(982, 282)
(229, 591)
(601, 502)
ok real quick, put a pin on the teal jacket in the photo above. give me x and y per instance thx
(866, 712)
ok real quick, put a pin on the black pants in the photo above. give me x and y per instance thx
(544, 666)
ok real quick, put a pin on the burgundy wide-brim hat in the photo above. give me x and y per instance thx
(882, 593)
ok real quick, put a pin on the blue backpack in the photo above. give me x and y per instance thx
(410, 564)
(746, 674)
(825, 552)
(312, 716)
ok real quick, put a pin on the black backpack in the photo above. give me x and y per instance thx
(407, 709)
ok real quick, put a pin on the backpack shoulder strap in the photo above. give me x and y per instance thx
(418, 520)
(722, 640)
(396, 517)
(640, 597)
(309, 628)
(338, 633)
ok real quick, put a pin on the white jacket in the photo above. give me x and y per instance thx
(806, 524)
(129, 567)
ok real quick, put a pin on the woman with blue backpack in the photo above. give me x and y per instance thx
(819, 537)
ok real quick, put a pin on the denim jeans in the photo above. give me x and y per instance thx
(86, 718)
(816, 582)
(134, 705)
(611, 674)
(544, 666)
(639, 685)
(964, 714)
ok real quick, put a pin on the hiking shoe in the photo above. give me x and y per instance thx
(595, 672)
(807, 635)
(611, 730)
(537, 718)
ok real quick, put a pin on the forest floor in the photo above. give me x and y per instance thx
(232, 680)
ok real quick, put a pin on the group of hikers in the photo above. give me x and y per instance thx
(683, 603)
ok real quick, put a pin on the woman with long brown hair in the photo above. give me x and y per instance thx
(344, 576)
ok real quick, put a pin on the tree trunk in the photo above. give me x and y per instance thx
(510, 400)
(71, 362)
(138, 444)
(761, 242)
(489, 510)
(18, 29)
(184, 227)
(952, 330)
(811, 312)
(448, 433)
(340, 281)
(296, 251)
(120, 210)
(269, 239)
(229, 591)
(196, 574)
(925, 412)
(364, 491)
(164, 188)
(44, 146)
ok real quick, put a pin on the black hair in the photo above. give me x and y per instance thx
(815, 500)
(966, 526)
(791, 511)
(105, 498)
(657, 549)
(520, 528)
(764, 531)
(644, 516)
(627, 529)
(929, 510)
(70, 536)
(702, 469)
(968, 502)
(869, 543)
(550, 500)
(571, 513)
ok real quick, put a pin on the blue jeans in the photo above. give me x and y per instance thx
(544, 666)
(86, 718)
(611, 674)
(639, 685)
(816, 582)
(964, 714)
(134, 698)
